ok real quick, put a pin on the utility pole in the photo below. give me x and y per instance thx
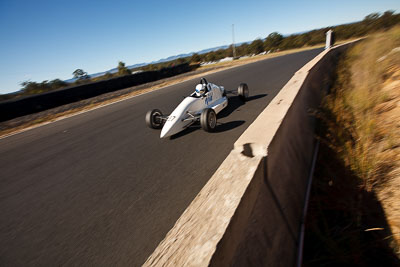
(233, 41)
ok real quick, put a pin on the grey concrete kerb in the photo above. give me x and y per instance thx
(194, 238)
(269, 121)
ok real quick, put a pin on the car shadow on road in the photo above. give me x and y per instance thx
(185, 132)
(221, 127)
(227, 126)
(235, 102)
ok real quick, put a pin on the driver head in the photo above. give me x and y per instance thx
(200, 89)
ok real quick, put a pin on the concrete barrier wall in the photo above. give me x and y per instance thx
(272, 234)
(249, 212)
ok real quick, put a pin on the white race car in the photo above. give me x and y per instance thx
(201, 106)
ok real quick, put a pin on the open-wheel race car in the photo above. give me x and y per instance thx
(202, 106)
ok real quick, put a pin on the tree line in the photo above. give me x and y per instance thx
(277, 42)
(272, 43)
(80, 77)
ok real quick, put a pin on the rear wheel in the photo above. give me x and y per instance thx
(208, 120)
(243, 91)
(154, 119)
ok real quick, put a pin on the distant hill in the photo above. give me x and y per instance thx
(114, 70)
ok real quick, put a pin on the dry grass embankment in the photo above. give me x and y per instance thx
(354, 212)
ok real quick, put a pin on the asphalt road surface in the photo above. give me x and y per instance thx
(102, 189)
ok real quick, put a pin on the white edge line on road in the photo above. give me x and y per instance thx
(123, 99)
(103, 105)
(81, 112)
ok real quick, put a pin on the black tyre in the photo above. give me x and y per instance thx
(208, 120)
(154, 119)
(243, 91)
(224, 93)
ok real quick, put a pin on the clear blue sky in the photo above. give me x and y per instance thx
(44, 40)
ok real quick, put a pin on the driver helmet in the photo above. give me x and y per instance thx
(200, 89)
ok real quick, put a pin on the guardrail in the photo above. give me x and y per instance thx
(250, 211)
(14, 108)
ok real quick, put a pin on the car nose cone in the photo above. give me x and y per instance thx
(163, 133)
(170, 128)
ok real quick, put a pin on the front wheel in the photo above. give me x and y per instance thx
(243, 91)
(208, 120)
(154, 119)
